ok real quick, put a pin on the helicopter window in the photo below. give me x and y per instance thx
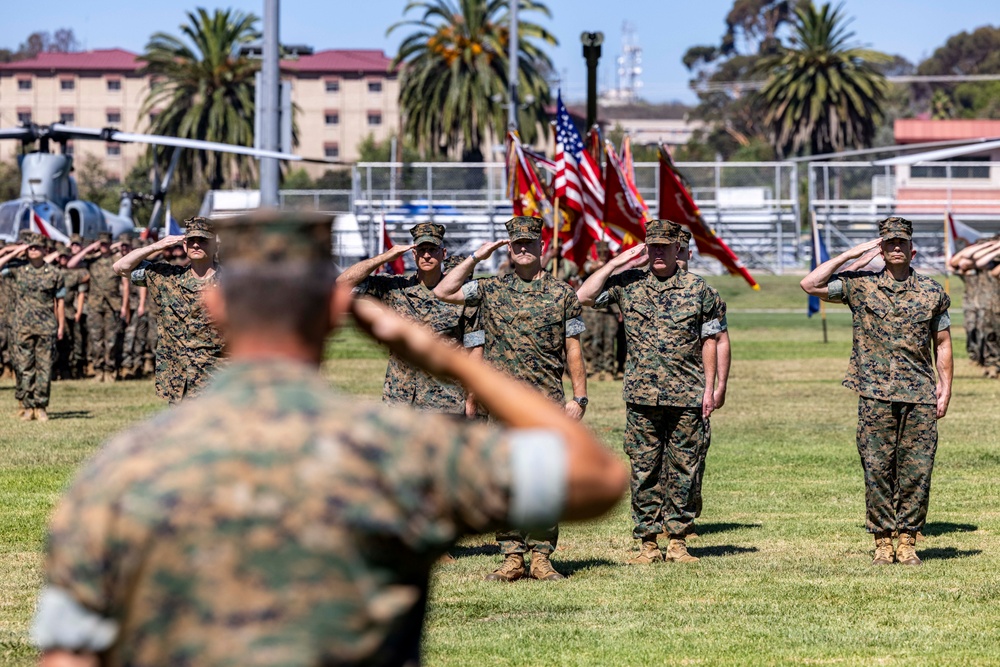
(24, 84)
(114, 150)
(114, 84)
(67, 84)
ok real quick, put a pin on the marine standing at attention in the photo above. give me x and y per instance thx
(672, 326)
(413, 297)
(530, 329)
(188, 343)
(272, 521)
(901, 331)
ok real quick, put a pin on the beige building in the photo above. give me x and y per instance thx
(342, 97)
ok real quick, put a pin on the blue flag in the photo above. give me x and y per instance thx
(173, 227)
(818, 250)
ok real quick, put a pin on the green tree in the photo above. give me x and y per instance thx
(203, 89)
(823, 94)
(454, 67)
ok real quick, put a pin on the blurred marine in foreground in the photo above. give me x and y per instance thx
(272, 521)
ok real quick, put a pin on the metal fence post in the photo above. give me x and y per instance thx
(796, 211)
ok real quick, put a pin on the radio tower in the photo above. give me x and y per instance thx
(629, 69)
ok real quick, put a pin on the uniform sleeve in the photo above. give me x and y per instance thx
(941, 319)
(710, 323)
(839, 288)
(573, 315)
(720, 306)
(148, 273)
(375, 286)
(472, 293)
(473, 335)
(60, 287)
(611, 294)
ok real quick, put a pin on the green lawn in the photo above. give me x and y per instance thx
(784, 576)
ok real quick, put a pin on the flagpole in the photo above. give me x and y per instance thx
(556, 228)
(815, 246)
(947, 255)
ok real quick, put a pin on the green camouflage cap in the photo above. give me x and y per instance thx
(125, 237)
(451, 262)
(199, 227)
(524, 227)
(65, 252)
(427, 232)
(685, 238)
(76, 238)
(104, 237)
(896, 228)
(276, 237)
(31, 238)
(662, 231)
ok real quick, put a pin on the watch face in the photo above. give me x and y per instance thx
(582, 401)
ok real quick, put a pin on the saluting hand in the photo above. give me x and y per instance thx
(633, 257)
(862, 248)
(484, 251)
(170, 241)
(399, 250)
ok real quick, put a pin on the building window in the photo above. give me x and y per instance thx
(374, 86)
(331, 151)
(981, 171)
(114, 85)
(67, 117)
(374, 118)
(24, 117)
(69, 148)
(114, 118)
(67, 84)
(114, 150)
(332, 117)
(24, 84)
(333, 86)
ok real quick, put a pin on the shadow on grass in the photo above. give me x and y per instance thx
(478, 550)
(722, 527)
(945, 527)
(721, 550)
(571, 567)
(71, 414)
(946, 553)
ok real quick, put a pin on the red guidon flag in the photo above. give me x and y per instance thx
(396, 266)
(622, 209)
(677, 205)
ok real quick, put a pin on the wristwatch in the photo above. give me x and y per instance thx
(581, 400)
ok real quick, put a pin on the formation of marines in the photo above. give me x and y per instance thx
(100, 320)
(978, 264)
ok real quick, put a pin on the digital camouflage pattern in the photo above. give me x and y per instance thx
(894, 328)
(525, 325)
(34, 292)
(989, 321)
(72, 354)
(104, 323)
(665, 323)
(524, 227)
(403, 383)
(897, 443)
(273, 522)
(973, 315)
(188, 344)
(665, 446)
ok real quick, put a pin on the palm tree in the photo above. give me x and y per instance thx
(203, 89)
(454, 74)
(822, 94)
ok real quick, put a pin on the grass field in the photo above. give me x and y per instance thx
(784, 576)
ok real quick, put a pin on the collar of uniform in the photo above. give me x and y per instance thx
(264, 372)
(536, 285)
(673, 282)
(887, 282)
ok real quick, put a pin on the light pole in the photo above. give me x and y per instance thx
(270, 81)
(592, 53)
(512, 71)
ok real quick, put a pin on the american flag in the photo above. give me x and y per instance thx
(578, 176)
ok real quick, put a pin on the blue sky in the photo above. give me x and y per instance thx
(665, 28)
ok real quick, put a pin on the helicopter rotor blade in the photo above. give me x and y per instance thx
(22, 133)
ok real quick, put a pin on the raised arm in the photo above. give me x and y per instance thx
(815, 284)
(8, 254)
(354, 275)
(450, 287)
(985, 259)
(595, 478)
(75, 260)
(130, 262)
(592, 286)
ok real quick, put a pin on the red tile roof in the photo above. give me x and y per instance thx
(101, 60)
(332, 61)
(913, 130)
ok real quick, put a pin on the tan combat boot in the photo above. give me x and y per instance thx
(677, 552)
(905, 553)
(27, 414)
(147, 367)
(649, 553)
(541, 568)
(511, 569)
(883, 549)
(41, 415)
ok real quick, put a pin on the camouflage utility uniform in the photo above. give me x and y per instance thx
(104, 322)
(602, 331)
(404, 383)
(524, 327)
(892, 370)
(989, 322)
(973, 316)
(188, 344)
(71, 351)
(666, 437)
(34, 292)
(6, 323)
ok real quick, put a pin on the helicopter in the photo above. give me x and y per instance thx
(49, 200)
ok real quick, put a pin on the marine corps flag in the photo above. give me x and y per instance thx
(621, 207)
(677, 205)
(525, 189)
